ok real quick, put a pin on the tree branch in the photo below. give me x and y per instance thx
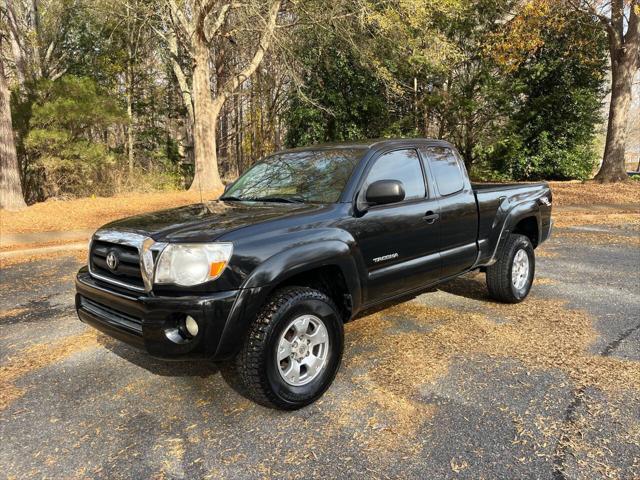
(49, 52)
(220, 19)
(615, 38)
(56, 75)
(263, 45)
(176, 14)
(172, 43)
(13, 20)
(632, 38)
(203, 13)
(617, 17)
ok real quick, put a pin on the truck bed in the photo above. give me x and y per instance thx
(495, 202)
(492, 187)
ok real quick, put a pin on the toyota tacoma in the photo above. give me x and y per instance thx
(304, 241)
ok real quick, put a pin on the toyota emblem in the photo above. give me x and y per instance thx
(112, 261)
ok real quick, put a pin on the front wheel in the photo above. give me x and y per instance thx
(293, 349)
(510, 278)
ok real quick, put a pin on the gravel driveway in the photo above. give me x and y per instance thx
(448, 385)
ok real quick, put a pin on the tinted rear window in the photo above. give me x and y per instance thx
(446, 169)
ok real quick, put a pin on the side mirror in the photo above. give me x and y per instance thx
(383, 192)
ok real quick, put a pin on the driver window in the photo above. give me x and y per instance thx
(402, 165)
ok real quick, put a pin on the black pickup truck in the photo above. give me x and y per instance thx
(304, 241)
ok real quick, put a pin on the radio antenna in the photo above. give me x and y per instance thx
(200, 188)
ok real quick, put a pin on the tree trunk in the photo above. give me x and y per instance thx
(187, 143)
(206, 113)
(207, 109)
(613, 163)
(236, 133)
(240, 135)
(10, 189)
(129, 127)
(16, 47)
(35, 21)
(181, 78)
(223, 148)
(130, 135)
(625, 59)
(129, 86)
(185, 146)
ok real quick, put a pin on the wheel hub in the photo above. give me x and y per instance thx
(520, 269)
(302, 350)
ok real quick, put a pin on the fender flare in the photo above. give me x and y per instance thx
(277, 269)
(512, 217)
(522, 211)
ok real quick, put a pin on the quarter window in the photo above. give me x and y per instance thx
(401, 165)
(446, 169)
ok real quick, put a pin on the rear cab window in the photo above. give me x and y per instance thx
(446, 169)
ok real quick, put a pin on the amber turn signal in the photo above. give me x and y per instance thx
(216, 269)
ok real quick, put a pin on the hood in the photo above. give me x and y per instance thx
(206, 221)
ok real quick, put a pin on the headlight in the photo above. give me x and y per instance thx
(189, 264)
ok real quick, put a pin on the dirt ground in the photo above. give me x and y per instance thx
(587, 194)
(448, 385)
(87, 213)
(84, 213)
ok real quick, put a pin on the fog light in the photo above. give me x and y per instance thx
(191, 325)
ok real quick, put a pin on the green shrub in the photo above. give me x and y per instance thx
(68, 140)
(551, 158)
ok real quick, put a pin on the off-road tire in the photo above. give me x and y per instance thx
(255, 363)
(499, 281)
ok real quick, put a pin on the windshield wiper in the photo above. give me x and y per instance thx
(279, 199)
(263, 199)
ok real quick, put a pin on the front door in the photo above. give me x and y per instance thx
(400, 242)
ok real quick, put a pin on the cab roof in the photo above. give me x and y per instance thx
(376, 143)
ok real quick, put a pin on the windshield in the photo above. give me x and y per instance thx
(314, 176)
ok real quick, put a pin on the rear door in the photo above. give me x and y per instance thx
(458, 209)
(399, 242)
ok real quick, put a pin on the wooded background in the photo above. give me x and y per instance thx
(105, 96)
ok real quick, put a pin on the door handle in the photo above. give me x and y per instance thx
(431, 217)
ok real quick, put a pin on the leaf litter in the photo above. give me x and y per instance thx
(541, 334)
(36, 357)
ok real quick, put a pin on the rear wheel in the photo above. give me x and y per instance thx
(293, 349)
(510, 278)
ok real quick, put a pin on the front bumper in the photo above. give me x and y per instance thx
(143, 320)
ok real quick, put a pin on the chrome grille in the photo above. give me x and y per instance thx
(127, 270)
(115, 257)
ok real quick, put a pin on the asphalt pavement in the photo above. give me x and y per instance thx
(447, 385)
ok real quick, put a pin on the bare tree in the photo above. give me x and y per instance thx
(37, 52)
(616, 16)
(10, 188)
(202, 27)
(134, 18)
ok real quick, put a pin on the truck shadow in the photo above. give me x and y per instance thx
(158, 367)
(165, 368)
(471, 287)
